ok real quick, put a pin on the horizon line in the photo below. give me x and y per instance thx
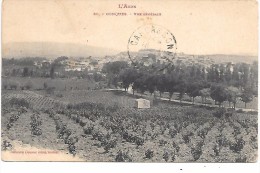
(120, 51)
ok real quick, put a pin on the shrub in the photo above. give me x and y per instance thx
(45, 85)
(237, 146)
(72, 149)
(35, 123)
(59, 95)
(139, 141)
(178, 127)
(173, 132)
(193, 112)
(148, 154)
(241, 159)
(240, 111)
(253, 112)
(177, 148)
(162, 142)
(166, 156)
(5, 85)
(222, 141)
(173, 157)
(186, 137)
(113, 108)
(13, 85)
(123, 157)
(9, 125)
(13, 118)
(203, 133)
(216, 150)
(109, 144)
(6, 145)
(220, 112)
(28, 85)
(229, 114)
(21, 102)
(163, 129)
(236, 131)
(88, 130)
(71, 140)
(36, 131)
(50, 90)
(83, 122)
(196, 152)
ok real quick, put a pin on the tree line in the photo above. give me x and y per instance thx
(221, 82)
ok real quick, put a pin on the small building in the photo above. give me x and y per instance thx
(142, 104)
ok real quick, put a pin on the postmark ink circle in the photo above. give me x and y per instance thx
(150, 44)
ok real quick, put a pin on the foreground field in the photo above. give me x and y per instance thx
(104, 126)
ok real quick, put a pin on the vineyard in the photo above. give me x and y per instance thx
(106, 130)
(108, 98)
(35, 100)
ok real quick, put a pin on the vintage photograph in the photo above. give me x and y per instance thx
(129, 81)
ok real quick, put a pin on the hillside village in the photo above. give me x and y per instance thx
(89, 65)
(148, 58)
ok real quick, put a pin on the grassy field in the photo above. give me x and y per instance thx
(95, 96)
(58, 83)
(71, 89)
(103, 126)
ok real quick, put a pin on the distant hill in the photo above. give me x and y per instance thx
(185, 58)
(52, 50)
(55, 49)
(219, 58)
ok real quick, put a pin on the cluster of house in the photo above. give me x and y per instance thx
(81, 65)
(43, 64)
(74, 64)
(147, 57)
(150, 56)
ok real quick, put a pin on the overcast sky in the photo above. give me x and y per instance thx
(203, 27)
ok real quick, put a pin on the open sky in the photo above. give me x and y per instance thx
(200, 27)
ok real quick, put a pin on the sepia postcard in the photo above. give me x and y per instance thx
(129, 81)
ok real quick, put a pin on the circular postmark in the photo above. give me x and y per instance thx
(151, 44)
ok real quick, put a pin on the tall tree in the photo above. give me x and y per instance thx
(181, 87)
(128, 76)
(160, 85)
(218, 93)
(232, 94)
(25, 71)
(170, 85)
(204, 93)
(193, 89)
(247, 95)
(52, 71)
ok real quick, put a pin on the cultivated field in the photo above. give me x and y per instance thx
(103, 126)
(59, 83)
